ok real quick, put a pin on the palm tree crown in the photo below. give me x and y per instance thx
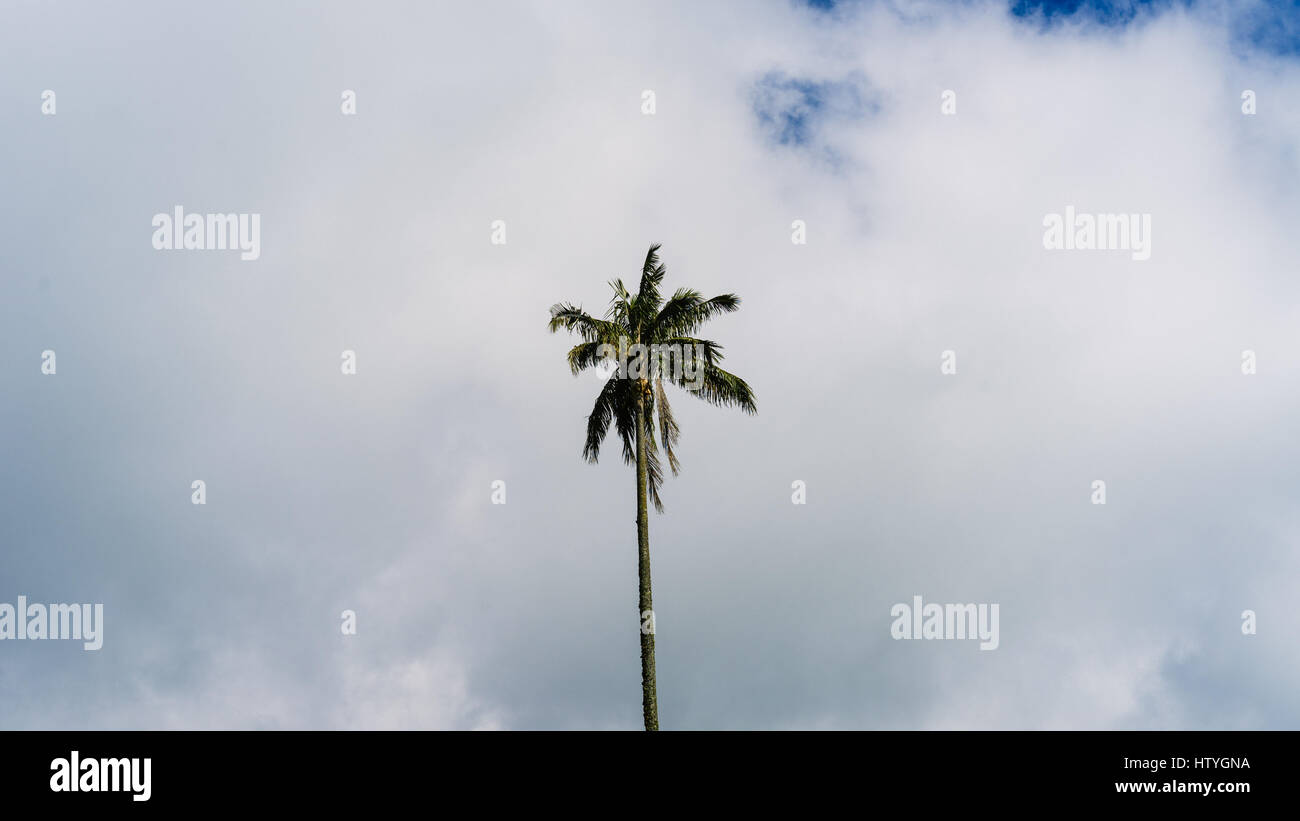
(665, 329)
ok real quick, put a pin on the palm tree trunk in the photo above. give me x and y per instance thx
(649, 699)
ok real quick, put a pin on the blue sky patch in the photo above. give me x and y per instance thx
(790, 110)
(1270, 26)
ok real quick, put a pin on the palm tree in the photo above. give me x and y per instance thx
(660, 335)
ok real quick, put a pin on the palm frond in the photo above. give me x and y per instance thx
(569, 317)
(648, 299)
(654, 470)
(602, 413)
(687, 310)
(586, 355)
(625, 419)
(620, 306)
(693, 349)
(668, 430)
(718, 387)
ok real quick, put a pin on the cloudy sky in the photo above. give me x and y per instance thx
(372, 492)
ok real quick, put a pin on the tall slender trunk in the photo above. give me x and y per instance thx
(649, 700)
